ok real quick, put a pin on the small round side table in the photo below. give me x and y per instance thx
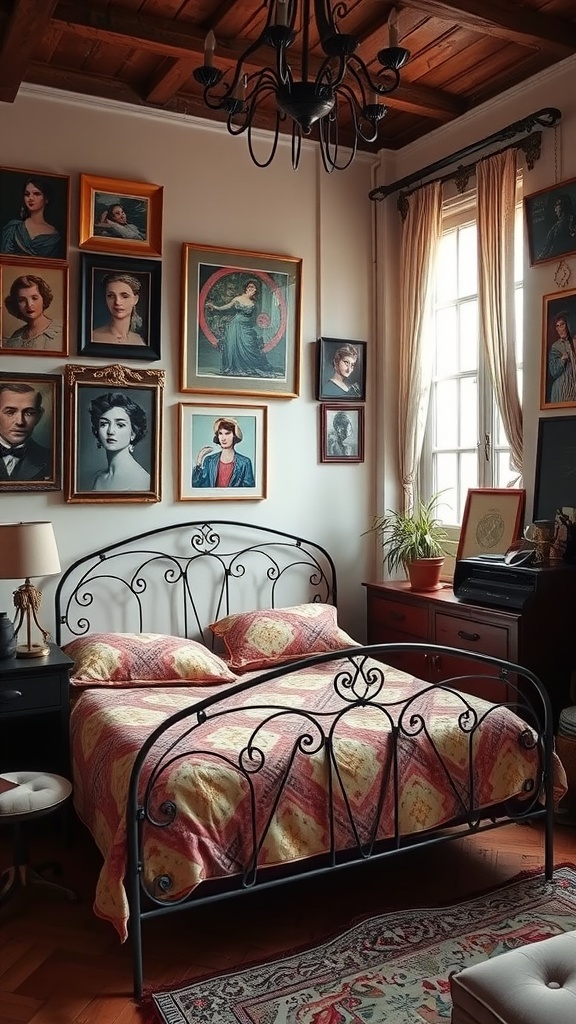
(30, 795)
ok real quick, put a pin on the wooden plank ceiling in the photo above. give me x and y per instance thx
(143, 52)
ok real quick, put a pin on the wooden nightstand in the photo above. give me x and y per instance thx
(35, 713)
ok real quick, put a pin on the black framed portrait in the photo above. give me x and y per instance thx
(551, 222)
(341, 370)
(555, 484)
(113, 433)
(34, 214)
(30, 432)
(120, 307)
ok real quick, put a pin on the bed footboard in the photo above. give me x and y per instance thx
(332, 750)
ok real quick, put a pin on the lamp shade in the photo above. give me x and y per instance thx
(27, 549)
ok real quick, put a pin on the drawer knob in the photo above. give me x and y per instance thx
(6, 696)
(468, 636)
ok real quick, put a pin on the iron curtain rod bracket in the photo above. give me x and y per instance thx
(548, 117)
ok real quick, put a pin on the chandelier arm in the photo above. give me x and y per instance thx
(373, 83)
(356, 109)
(296, 145)
(272, 154)
(329, 147)
(251, 104)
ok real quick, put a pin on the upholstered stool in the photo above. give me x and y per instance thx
(31, 795)
(530, 985)
(566, 750)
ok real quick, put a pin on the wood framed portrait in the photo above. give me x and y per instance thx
(222, 452)
(113, 419)
(119, 307)
(34, 310)
(341, 433)
(119, 216)
(551, 222)
(555, 483)
(493, 520)
(341, 371)
(30, 432)
(558, 376)
(240, 322)
(34, 214)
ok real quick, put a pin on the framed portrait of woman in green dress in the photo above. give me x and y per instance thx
(240, 322)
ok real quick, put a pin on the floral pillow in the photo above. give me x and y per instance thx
(144, 659)
(262, 639)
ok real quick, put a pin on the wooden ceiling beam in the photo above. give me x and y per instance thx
(504, 19)
(166, 39)
(23, 27)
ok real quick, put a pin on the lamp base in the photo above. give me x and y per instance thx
(32, 651)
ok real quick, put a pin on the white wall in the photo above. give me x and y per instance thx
(553, 88)
(214, 195)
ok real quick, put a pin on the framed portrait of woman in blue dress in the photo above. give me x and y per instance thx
(34, 214)
(240, 322)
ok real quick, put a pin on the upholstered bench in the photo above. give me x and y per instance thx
(531, 985)
(24, 796)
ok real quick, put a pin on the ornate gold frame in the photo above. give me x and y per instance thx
(83, 384)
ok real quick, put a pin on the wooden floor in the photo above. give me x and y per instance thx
(59, 964)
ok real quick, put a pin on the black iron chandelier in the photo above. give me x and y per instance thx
(337, 85)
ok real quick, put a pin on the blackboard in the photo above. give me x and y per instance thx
(555, 484)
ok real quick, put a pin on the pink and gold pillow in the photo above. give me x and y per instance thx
(262, 639)
(144, 659)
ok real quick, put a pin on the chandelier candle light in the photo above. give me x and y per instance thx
(28, 549)
(337, 87)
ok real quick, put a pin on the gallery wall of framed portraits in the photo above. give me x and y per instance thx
(95, 430)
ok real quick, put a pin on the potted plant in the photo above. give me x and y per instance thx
(413, 541)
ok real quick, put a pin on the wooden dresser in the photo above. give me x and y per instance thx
(540, 637)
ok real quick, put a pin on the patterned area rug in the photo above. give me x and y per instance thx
(392, 968)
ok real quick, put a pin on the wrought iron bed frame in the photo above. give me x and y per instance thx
(357, 683)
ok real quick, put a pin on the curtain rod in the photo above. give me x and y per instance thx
(545, 118)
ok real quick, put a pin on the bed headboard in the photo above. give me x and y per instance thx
(177, 579)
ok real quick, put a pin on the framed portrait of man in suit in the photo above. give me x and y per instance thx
(30, 432)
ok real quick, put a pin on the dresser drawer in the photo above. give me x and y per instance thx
(388, 618)
(30, 694)
(468, 635)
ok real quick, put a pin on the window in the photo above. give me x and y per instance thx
(465, 444)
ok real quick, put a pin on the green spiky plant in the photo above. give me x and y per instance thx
(406, 536)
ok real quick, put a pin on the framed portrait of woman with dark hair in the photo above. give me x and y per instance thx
(113, 429)
(240, 322)
(341, 370)
(119, 307)
(34, 214)
(558, 377)
(34, 310)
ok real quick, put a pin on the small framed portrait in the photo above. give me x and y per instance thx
(341, 370)
(341, 433)
(119, 216)
(119, 307)
(222, 452)
(551, 222)
(34, 214)
(240, 322)
(113, 419)
(492, 521)
(558, 376)
(34, 310)
(30, 432)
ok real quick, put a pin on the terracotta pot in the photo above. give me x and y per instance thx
(424, 573)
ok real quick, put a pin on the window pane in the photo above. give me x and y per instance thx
(446, 278)
(468, 412)
(446, 479)
(467, 262)
(469, 335)
(506, 474)
(446, 424)
(446, 341)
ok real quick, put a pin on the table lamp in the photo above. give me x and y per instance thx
(28, 549)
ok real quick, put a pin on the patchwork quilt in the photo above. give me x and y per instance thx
(255, 778)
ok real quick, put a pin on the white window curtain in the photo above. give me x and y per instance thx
(421, 232)
(496, 197)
